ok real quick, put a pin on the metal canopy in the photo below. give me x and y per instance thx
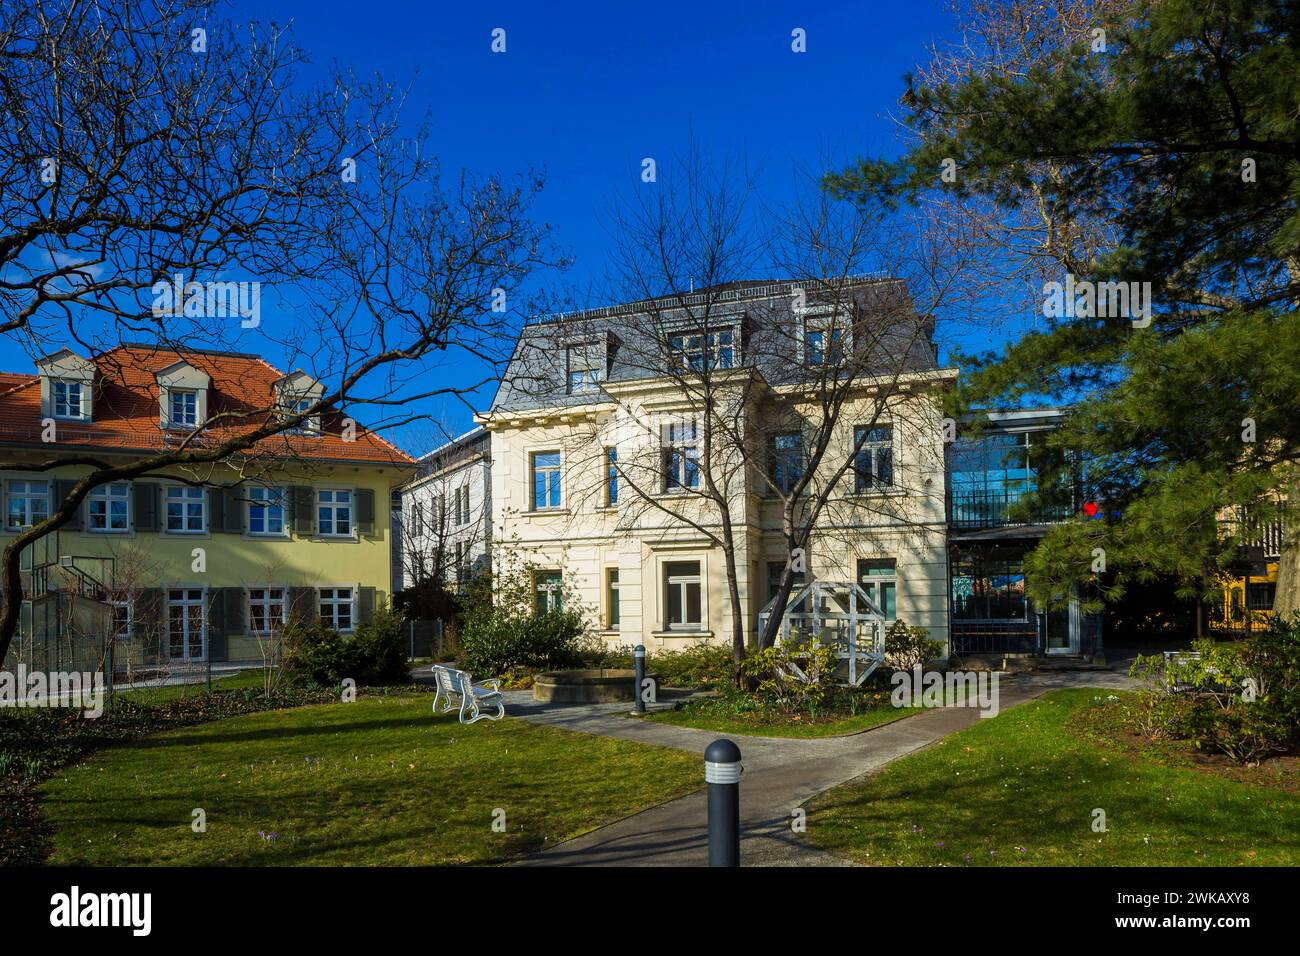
(835, 614)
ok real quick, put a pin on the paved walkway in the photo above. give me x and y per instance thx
(780, 775)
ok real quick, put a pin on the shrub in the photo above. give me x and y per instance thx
(1242, 698)
(373, 655)
(496, 640)
(908, 647)
(777, 671)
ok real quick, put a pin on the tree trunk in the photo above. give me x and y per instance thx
(1287, 602)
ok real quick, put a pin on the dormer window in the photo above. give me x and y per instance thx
(698, 351)
(586, 368)
(184, 409)
(69, 400)
(296, 393)
(183, 396)
(67, 382)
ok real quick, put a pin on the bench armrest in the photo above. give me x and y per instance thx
(494, 683)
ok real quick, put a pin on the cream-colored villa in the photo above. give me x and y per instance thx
(602, 450)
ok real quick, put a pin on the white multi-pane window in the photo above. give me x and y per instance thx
(29, 503)
(185, 624)
(546, 480)
(682, 595)
(265, 610)
(699, 351)
(334, 513)
(266, 511)
(336, 608)
(108, 508)
(184, 412)
(123, 618)
(186, 509)
(681, 456)
(68, 400)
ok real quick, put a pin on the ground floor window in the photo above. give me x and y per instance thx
(879, 578)
(548, 591)
(989, 587)
(336, 608)
(611, 599)
(185, 624)
(682, 596)
(122, 619)
(265, 609)
(775, 570)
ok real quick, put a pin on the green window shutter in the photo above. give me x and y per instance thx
(365, 605)
(62, 488)
(365, 511)
(216, 613)
(304, 509)
(302, 604)
(144, 506)
(232, 511)
(216, 509)
(235, 601)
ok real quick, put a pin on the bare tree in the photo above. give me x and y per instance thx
(150, 139)
(820, 358)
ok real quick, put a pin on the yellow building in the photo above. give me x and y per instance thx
(194, 563)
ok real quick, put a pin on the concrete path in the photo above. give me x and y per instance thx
(780, 775)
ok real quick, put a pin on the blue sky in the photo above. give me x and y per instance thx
(585, 91)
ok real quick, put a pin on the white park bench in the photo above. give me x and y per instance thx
(454, 683)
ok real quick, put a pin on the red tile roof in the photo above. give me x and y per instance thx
(126, 409)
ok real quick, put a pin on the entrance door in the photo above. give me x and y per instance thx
(1063, 628)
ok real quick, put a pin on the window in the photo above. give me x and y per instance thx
(123, 619)
(186, 509)
(1260, 595)
(873, 464)
(785, 460)
(611, 476)
(586, 364)
(879, 578)
(293, 406)
(548, 591)
(698, 351)
(460, 571)
(334, 513)
(109, 507)
(775, 570)
(460, 500)
(185, 624)
(989, 587)
(681, 456)
(823, 346)
(336, 608)
(29, 503)
(611, 599)
(68, 399)
(682, 595)
(266, 511)
(546, 480)
(265, 610)
(184, 412)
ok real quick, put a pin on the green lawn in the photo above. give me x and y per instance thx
(705, 714)
(379, 781)
(1020, 789)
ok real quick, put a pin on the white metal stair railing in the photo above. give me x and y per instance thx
(836, 614)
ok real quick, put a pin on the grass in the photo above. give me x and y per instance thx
(378, 781)
(1022, 789)
(717, 714)
(154, 695)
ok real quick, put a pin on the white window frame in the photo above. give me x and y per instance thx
(129, 631)
(66, 385)
(189, 410)
(29, 498)
(334, 506)
(613, 600)
(187, 498)
(103, 494)
(697, 350)
(682, 582)
(188, 600)
(334, 602)
(255, 501)
(678, 448)
(557, 470)
(266, 602)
